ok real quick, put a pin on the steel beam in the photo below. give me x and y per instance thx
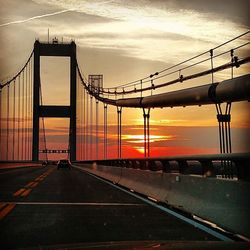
(232, 90)
(57, 49)
(54, 111)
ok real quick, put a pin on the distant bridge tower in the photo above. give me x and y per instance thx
(54, 49)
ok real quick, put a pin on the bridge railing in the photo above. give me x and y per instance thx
(226, 166)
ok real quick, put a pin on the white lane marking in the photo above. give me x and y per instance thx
(74, 203)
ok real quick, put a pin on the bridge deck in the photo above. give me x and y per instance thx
(45, 206)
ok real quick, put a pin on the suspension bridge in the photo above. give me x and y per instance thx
(162, 186)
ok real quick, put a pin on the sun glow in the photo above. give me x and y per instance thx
(139, 149)
(140, 138)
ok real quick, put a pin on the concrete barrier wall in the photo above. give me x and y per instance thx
(143, 181)
(106, 172)
(223, 202)
(18, 165)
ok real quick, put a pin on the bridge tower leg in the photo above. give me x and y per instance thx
(50, 49)
(36, 102)
(73, 102)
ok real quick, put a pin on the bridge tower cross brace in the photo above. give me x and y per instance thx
(61, 50)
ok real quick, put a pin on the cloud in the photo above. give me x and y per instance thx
(149, 31)
(34, 17)
(161, 121)
(238, 11)
(146, 30)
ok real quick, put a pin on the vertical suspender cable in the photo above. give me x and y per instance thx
(22, 119)
(104, 130)
(10, 121)
(223, 134)
(228, 138)
(81, 129)
(212, 65)
(106, 156)
(18, 118)
(229, 131)
(141, 87)
(118, 134)
(218, 113)
(232, 60)
(27, 110)
(27, 113)
(69, 137)
(104, 127)
(31, 105)
(28, 127)
(2, 134)
(121, 133)
(87, 126)
(119, 137)
(8, 117)
(91, 127)
(26, 116)
(14, 119)
(226, 132)
(105, 124)
(145, 133)
(81, 123)
(1, 123)
(79, 120)
(120, 124)
(84, 124)
(148, 133)
(96, 134)
(146, 117)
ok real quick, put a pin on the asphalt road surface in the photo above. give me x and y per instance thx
(44, 206)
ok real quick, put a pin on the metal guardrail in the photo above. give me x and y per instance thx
(226, 166)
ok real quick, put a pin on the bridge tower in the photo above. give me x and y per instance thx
(54, 49)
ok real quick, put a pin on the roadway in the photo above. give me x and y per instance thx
(43, 206)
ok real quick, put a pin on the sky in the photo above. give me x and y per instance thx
(126, 41)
